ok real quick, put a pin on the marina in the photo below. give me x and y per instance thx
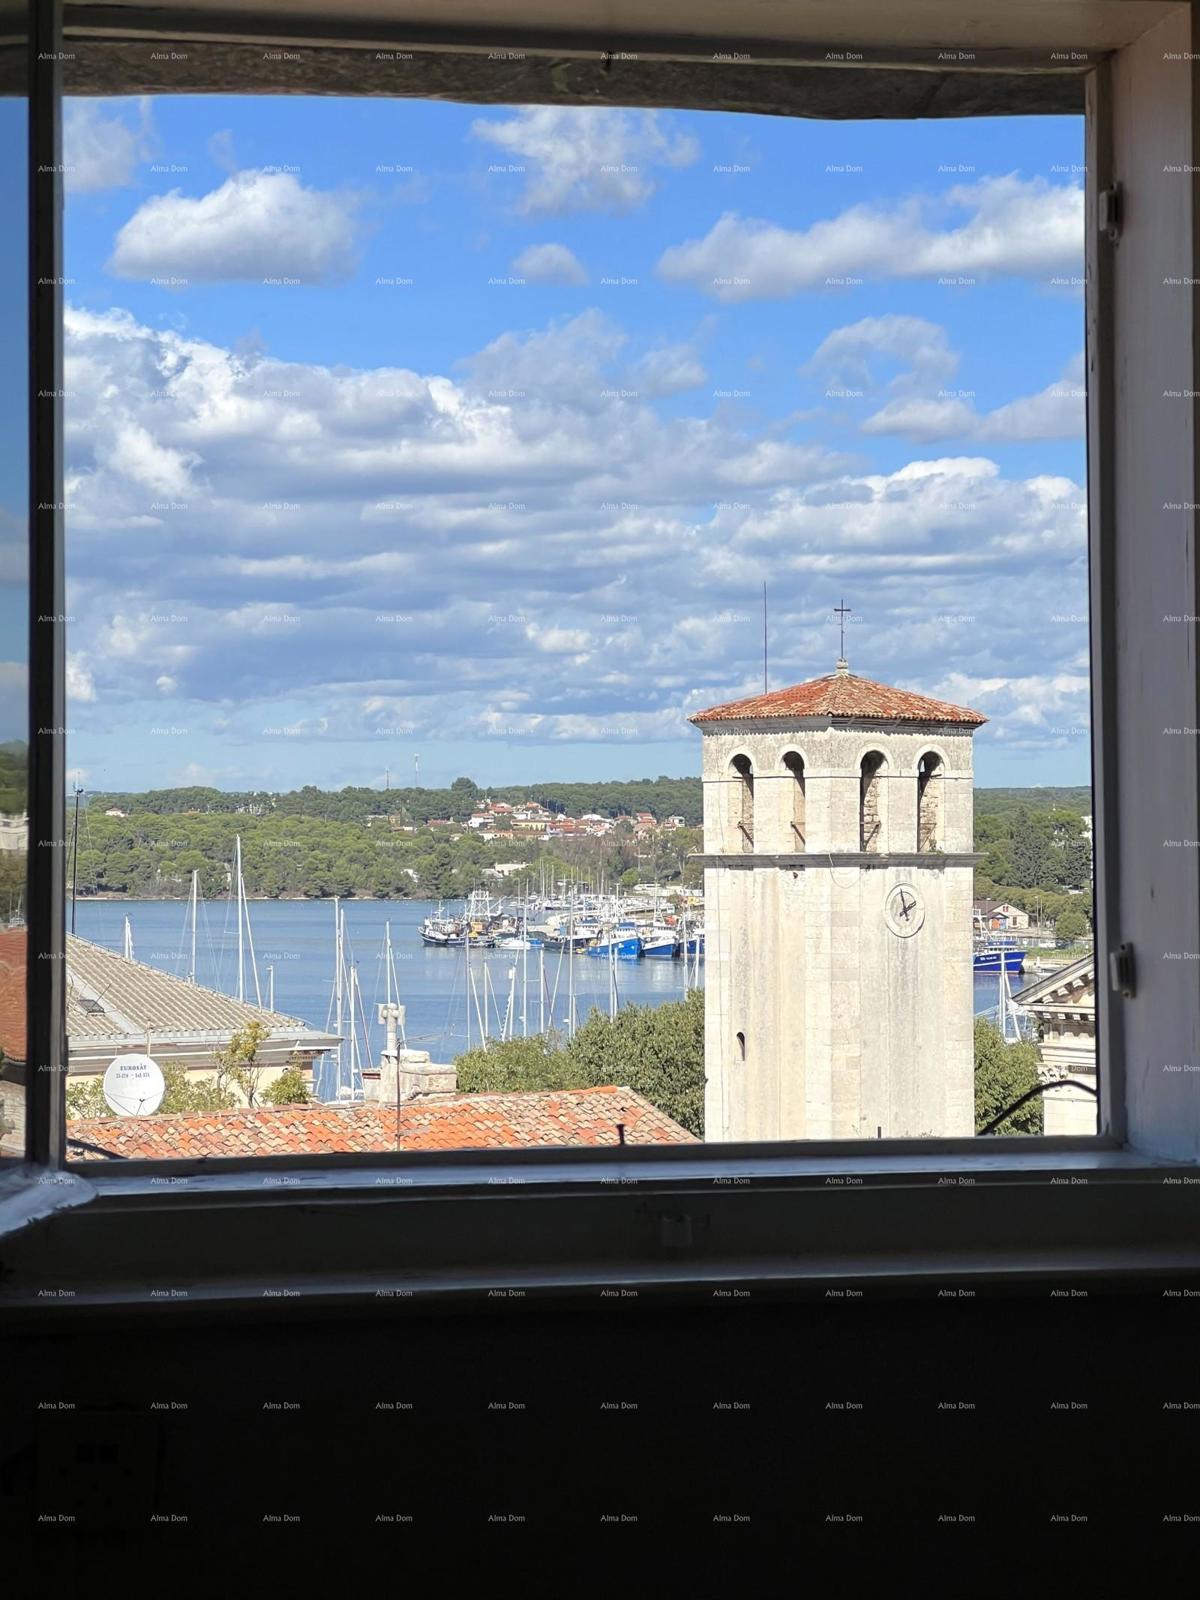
(454, 994)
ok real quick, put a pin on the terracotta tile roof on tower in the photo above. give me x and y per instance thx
(545, 1118)
(842, 694)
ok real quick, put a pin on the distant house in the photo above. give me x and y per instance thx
(115, 811)
(528, 824)
(14, 833)
(999, 915)
(115, 1005)
(505, 869)
(675, 822)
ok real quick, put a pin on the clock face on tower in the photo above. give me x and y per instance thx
(903, 910)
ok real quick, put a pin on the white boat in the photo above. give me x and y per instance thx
(661, 941)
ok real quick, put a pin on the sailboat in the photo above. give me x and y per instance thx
(244, 935)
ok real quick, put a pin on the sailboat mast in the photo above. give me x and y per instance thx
(192, 969)
(237, 870)
(525, 966)
(337, 987)
(571, 971)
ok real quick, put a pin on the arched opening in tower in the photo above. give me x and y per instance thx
(795, 765)
(930, 787)
(743, 813)
(870, 803)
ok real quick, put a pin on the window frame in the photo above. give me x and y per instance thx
(682, 1221)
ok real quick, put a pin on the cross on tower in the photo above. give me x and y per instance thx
(842, 612)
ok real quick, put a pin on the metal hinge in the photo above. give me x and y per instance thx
(1111, 212)
(1122, 972)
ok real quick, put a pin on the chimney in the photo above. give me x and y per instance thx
(404, 1074)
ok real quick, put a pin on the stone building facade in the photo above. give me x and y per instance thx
(838, 832)
(1064, 1006)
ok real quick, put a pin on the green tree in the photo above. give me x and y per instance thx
(1029, 856)
(537, 1062)
(1071, 925)
(658, 1051)
(86, 1099)
(238, 1066)
(184, 1094)
(1003, 1073)
(290, 1087)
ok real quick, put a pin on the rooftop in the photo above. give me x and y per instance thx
(546, 1118)
(107, 994)
(843, 694)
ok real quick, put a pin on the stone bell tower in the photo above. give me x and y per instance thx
(838, 834)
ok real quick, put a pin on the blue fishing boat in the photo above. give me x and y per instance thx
(623, 941)
(993, 957)
(660, 941)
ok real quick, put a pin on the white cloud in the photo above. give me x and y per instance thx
(256, 225)
(529, 545)
(549, 263)
(1030, 711)
(80, 687)
(1012, 226)
(924, 418)
(14, 684)
(670, 369)
(848, 355)
(103, 143)
(1056, 412)
(586, 158)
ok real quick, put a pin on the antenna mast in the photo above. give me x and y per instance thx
(764, 638)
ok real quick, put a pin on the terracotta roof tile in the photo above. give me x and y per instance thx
(567, 1117)
(842, 694)
(12, 993)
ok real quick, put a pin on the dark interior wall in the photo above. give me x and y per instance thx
(515, 1429)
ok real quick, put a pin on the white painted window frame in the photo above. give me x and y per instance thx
(419, 1229)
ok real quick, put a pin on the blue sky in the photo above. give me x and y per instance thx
(399, 428)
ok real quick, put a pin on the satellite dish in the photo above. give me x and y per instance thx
(134, 1086)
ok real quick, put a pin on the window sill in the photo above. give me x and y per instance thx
(410, 1233)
